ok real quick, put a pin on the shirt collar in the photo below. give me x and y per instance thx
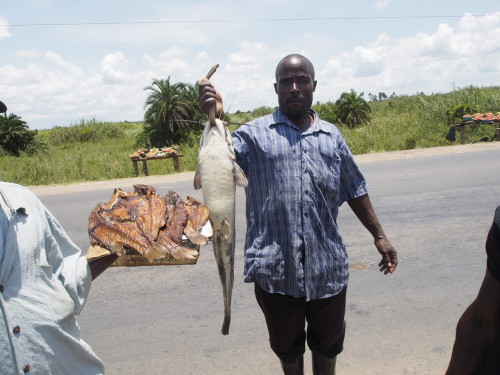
(280, 118)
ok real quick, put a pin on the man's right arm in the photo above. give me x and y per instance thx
(477, 330)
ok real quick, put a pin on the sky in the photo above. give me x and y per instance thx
(64, 62)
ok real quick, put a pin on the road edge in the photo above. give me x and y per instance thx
(186, 176)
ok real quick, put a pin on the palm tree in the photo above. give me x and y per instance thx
(171, 112)
(15, 135)
(353, 109)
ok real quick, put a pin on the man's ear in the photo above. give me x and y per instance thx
(314, 85)
(276, 88)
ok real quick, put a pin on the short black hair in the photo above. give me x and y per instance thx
(298, 56)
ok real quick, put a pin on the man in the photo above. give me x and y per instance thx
(477, 343)
(44, 282)
(300, 171)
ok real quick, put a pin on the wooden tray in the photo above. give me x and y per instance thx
(134, 259)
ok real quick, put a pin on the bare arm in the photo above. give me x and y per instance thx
(363, 209)
(476, 330)
(99, 265)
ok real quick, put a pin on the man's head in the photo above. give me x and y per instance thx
(295, 85)
(3, 108)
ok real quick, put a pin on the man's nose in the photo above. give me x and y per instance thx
(294, 87)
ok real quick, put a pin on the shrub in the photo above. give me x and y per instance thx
(85, 131)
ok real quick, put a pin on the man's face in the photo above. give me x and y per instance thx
(295, 85)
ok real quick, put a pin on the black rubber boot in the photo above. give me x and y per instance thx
(323, 365)
(293, 368)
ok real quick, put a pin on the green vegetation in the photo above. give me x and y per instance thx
(17, 138)
(171, 116)
(92, 150)
(352, 110)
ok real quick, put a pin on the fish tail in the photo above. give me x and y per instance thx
(224, 254)
(225, 324)
(156, 251)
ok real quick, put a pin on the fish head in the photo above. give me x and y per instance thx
(216, 133)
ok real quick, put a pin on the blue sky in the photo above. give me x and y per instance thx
(65, 61)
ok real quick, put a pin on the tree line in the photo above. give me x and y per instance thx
(172, 116)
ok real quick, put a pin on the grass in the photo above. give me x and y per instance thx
(95, 151)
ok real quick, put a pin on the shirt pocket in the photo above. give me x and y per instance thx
(325, 167)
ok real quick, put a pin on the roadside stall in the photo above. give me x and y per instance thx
(474, 120)
(163, 153)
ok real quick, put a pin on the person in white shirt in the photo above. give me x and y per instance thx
(44, 282)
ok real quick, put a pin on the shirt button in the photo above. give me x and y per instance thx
(16, 330)
(26, 368)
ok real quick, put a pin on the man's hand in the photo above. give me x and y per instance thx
(209, 97)
(363, 209)
(389, 260)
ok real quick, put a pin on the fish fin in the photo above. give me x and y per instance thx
(225, 230)
(195, 237)
(197, 180)
(183, 253)
(239, 176)
(221, 128)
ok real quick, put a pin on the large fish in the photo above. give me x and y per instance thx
(218, 174)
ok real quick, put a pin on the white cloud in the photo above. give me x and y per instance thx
(468, 54)
(113, 67)
(60, 62)
(176, 63)
(62, 91)
(28, 54)
(381, 4)
(4, 28)
(16, 79)
(368, 61)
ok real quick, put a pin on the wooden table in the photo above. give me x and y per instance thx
(461, 128)
(135, 160)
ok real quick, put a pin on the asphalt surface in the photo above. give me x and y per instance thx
(436, 207)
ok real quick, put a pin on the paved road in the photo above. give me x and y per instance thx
(435, 207)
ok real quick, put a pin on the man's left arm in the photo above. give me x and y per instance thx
(364, 211)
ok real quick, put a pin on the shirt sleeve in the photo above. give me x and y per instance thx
(493, 246)
(74, 271)
(352, 181)
(240, 148)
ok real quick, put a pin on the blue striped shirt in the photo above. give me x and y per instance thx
(297, 182)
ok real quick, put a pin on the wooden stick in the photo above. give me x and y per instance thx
(212, 71)
(211, 112)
